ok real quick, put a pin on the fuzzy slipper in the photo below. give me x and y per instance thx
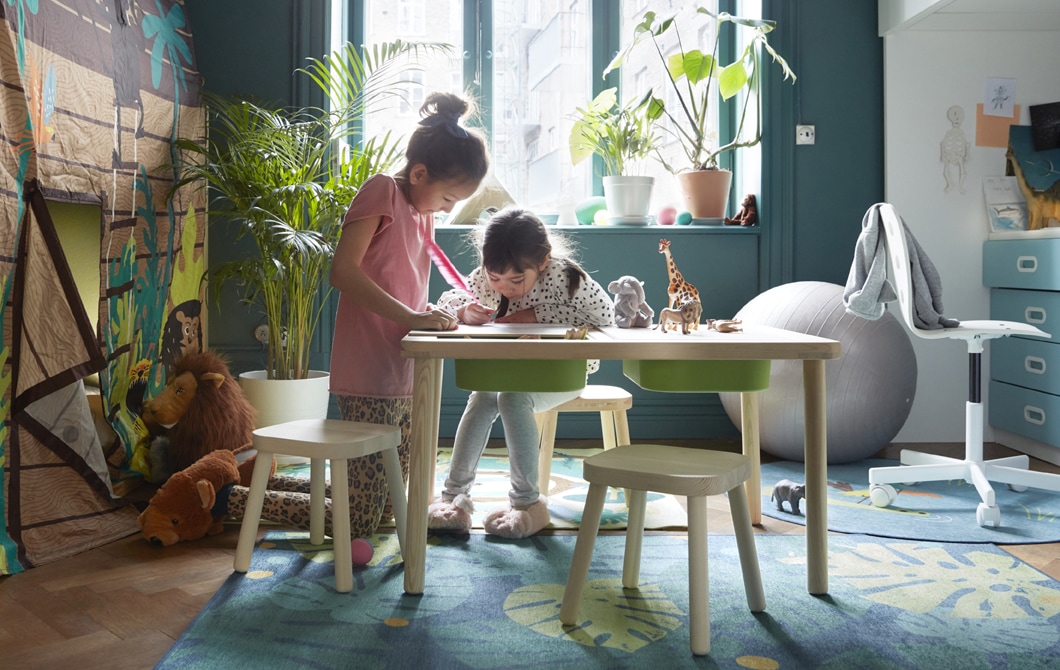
(452, 517)
(518, 523)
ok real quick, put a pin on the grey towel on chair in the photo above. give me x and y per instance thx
(867, 289)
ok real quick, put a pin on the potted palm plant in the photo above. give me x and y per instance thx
(621, 135)
(698, 81)
(283, 179)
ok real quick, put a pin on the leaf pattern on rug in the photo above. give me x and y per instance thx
(646, 612)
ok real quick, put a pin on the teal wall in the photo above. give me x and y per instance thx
(811, 206)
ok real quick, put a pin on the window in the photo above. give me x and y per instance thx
(529, 64)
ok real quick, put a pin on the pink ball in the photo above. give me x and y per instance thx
(361, 551)
(667, 216)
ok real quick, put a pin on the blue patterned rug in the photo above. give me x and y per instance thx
(566, 493)
(494, 603)
(936, 511)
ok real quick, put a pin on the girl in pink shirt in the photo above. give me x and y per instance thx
(381, 269)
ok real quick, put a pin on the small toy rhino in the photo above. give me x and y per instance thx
(788, 490)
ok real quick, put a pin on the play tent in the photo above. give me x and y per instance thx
(92, 93)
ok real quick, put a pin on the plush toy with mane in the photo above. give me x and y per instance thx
(200, 410)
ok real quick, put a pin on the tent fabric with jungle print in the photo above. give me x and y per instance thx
(92, 93)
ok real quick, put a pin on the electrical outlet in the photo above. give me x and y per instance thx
(804, 134)
(261, 334)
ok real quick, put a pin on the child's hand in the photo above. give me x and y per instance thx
(474, 314)
(522, 316)
(435, 319)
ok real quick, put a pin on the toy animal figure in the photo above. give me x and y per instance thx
(788, 490)
(631, 310)
(1042, 205)
(748, 214)
(679, 290)
(202, 409)
(687, 316)
(725, 325)
(192, 503)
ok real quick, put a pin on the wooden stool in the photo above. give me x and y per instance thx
(612, 403)
(320, 440)
(694, 473)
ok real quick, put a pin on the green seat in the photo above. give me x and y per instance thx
(520, 375)
(719, 376)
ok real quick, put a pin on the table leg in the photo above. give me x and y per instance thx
(750, 432)
(816, 457)
(426, 402)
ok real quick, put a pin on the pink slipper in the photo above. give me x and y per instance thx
(452, 517)
(518, 523)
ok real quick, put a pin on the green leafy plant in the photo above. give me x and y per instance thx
(698, 79)
(284, 178)
(620, 135)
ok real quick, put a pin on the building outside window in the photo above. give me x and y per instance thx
(529, 65)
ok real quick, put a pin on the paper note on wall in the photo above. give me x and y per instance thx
(992, 131)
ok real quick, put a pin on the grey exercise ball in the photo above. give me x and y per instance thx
(869, 389)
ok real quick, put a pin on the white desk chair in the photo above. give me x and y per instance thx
(610, 401)
(920, 467)
(694, 473)
(320, 440)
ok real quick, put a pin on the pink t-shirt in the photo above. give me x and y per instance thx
(366, 353)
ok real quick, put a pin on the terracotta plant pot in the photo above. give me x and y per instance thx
(706, 192)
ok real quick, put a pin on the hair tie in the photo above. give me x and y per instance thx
(451, 121)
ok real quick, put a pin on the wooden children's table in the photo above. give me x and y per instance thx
(497, 342)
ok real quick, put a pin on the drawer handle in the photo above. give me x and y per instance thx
(1034, 415)
(1035, 315)
(1034, 365)
(1026, 264)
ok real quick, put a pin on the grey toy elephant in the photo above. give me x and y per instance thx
(631, 311)
(788, 490)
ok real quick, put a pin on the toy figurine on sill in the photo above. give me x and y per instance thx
(748, 214)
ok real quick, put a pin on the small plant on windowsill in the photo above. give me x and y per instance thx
(622, 135)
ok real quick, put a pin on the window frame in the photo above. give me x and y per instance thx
(605, 43)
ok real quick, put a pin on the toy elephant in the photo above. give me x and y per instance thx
(788, 490)
(631, 311)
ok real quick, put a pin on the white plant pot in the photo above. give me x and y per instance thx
(282, 400)
(628, 199)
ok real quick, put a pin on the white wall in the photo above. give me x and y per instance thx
(926, 72)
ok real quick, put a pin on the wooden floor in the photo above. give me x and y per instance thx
(124, 604)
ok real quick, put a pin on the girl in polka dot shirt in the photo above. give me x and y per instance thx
(525, 276)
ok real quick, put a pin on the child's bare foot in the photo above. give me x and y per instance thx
(518, 523)
(452, 517)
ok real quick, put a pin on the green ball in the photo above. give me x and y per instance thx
(585, 211)
(684, 218)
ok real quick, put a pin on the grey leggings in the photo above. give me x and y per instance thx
(516, 411)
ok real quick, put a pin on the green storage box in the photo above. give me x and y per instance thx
(519, 375)
(699, 376)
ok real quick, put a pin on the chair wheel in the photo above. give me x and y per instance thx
(882, 495)
(987, 516)
(1018, 488)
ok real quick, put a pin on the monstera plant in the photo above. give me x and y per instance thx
(699, 82)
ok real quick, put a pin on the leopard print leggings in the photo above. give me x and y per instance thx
(287, 498)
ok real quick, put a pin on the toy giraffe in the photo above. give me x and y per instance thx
(679, 290)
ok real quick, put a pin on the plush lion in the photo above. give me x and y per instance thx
(193, 502)
(202, 409)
